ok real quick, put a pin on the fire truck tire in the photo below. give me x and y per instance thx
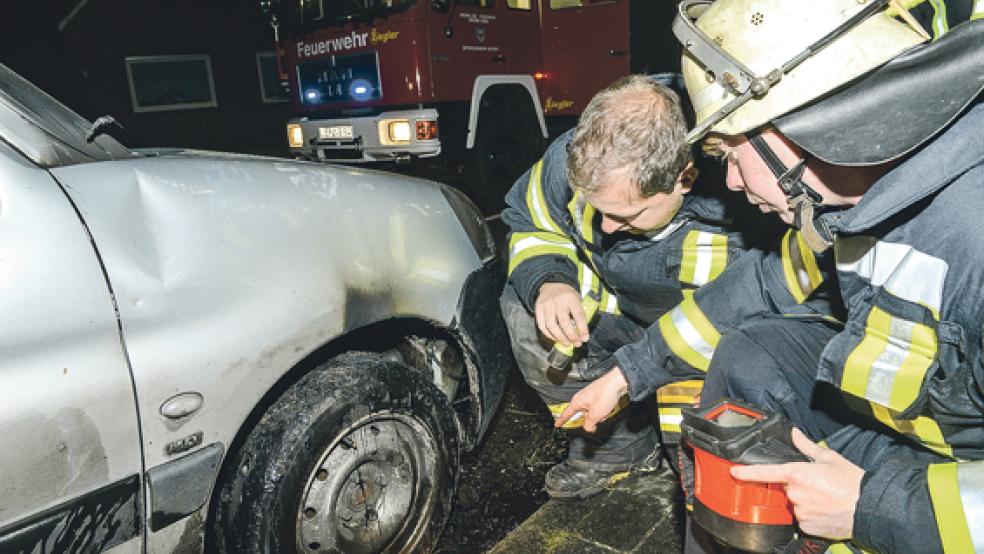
(507, 142)
(358, 456)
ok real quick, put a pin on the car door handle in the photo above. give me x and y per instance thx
(618, 53)
(499, 58)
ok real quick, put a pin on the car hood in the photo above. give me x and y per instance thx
(218, 240)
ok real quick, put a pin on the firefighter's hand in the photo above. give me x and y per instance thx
(823, 492)
(596, 400)
(559, 314)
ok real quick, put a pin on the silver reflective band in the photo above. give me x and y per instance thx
(730, 73)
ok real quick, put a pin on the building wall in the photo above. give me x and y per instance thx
(83, 64)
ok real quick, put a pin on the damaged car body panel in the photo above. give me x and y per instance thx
(157, 302)
(198, 247)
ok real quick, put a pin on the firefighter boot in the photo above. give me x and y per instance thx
(622, 445)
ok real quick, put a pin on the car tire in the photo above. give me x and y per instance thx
(360, 455)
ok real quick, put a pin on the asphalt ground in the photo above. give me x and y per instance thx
(501, 507)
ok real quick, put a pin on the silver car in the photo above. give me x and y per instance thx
(250, 354)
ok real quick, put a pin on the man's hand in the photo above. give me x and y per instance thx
(559, 314)
(824, 493)
(596, 401)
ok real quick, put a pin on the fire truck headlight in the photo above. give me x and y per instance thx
(394, 131)
(295, 135)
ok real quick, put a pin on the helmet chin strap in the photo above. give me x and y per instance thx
(802, 199)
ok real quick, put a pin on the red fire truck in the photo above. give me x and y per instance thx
(472, 84)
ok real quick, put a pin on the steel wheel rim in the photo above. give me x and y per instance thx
(371, 488)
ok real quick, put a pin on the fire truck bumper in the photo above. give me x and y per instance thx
(389, 136)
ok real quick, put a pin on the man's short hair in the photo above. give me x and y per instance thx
(637, 123)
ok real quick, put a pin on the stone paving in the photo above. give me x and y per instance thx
(639, 514)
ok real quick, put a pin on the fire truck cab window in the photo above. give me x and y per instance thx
(520, 4)
(562, 4)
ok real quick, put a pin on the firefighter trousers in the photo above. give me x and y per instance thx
(623, 439)
(772, 363)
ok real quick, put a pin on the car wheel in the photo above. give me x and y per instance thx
(359, 456)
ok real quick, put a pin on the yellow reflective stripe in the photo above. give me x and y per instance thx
(940, 23)
(689, 334)
(670, 419)
(799, 266)
(582, 214)
(944, 491)
(587, 231)
(922, 429)
(608, 304)
(589, 280)
(978, 10)
(683, 392)
(719, 260)
(911, 374)
(792, 281)
(890, 363)
(858, 365)
(523, 246)
(809, 263)
(703, 258)
(688, 260)
(536, 203)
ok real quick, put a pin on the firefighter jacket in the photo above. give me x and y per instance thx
(910, 268)
(555, 236)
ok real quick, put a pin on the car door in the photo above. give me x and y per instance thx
(69, 443)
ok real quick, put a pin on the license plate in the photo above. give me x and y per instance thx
(335, 132)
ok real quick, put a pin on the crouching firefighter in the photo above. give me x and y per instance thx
(872, 144)
(606, 234)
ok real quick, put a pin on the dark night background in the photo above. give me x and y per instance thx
(76, 50)
(79, 59)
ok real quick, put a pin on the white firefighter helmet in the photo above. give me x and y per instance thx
(747, 62)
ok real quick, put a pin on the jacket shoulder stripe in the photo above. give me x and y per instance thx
(704, 257)
(536, 202)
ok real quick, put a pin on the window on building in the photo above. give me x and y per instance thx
(562, 4)
(162, 83)
(270, 89)
(520, 4)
